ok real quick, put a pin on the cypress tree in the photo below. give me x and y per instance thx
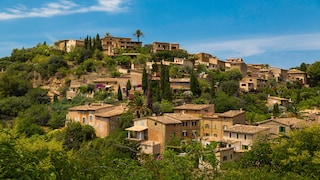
(119, 93)
(194, 84)
(128, 87)
(144, 81)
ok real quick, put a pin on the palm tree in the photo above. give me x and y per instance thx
(138, 34)
(138, 106)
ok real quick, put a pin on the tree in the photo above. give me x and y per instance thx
(119, 94)
(144, 81)
(314, 73)
(138, 106)
(126, 120)
(128, 87)
(230, 87)
(138, 34)
(194, 84)
(75, 134)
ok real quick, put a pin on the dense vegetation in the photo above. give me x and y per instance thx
(35, 144)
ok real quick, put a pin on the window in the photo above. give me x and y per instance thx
(224, 158)
(184, 123)
(215, 126)
(237, 136)
(112, 127)
(243, 84)
(207, 126)
(206, 134)
(155, 124)
(194, 123)
(244, 147)
(83, 120)
(230, 135)
(184, 133)
(245, 136)
(230, 156)
(282, 129)
(215, 135)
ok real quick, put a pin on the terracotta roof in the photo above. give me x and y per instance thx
(239, 128)
(296, 71)
(165, 119)
(137, 128)
(111, 113)
(92, 107)
(182, 117)
(193, 106)
(231, 113)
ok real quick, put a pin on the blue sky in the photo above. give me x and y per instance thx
(282, 33)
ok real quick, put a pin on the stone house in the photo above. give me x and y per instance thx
(241, 137)
(195, 109)
(297, 75)
(281, 125)
(102, 117)
(272, 100)
(154, 132)
(213, 126)
(161, 46)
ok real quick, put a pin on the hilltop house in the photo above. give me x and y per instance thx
(154, 132)
(102, 117)
(281, 125)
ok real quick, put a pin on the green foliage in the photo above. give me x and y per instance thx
(126, 120)
(138, 106)
(224, 103)
(166, 106)
(230, 87)
(76, 134)
(314, 73)
(176, 72)
(14, 84)
(169, 55)
(11, 106)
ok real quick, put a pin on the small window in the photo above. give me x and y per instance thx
(206, 134)
(237, 136)
(244, 147)
(282, 129)
(215, 135)
(90, 117)
(245, 136)
(184, 123)
(83, 120)
(155, 124)
(207, 126)
(224, 158)
(184, 133)
(194, 123)
(230, 135)
(230, 156)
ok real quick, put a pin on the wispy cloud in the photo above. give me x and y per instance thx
(63, 7)
(255, 46)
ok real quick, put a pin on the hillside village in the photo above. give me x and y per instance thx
(145, 102)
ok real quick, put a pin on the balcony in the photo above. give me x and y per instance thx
(137, 133)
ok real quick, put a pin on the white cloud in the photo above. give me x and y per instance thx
(63, 7)
(255, 46)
